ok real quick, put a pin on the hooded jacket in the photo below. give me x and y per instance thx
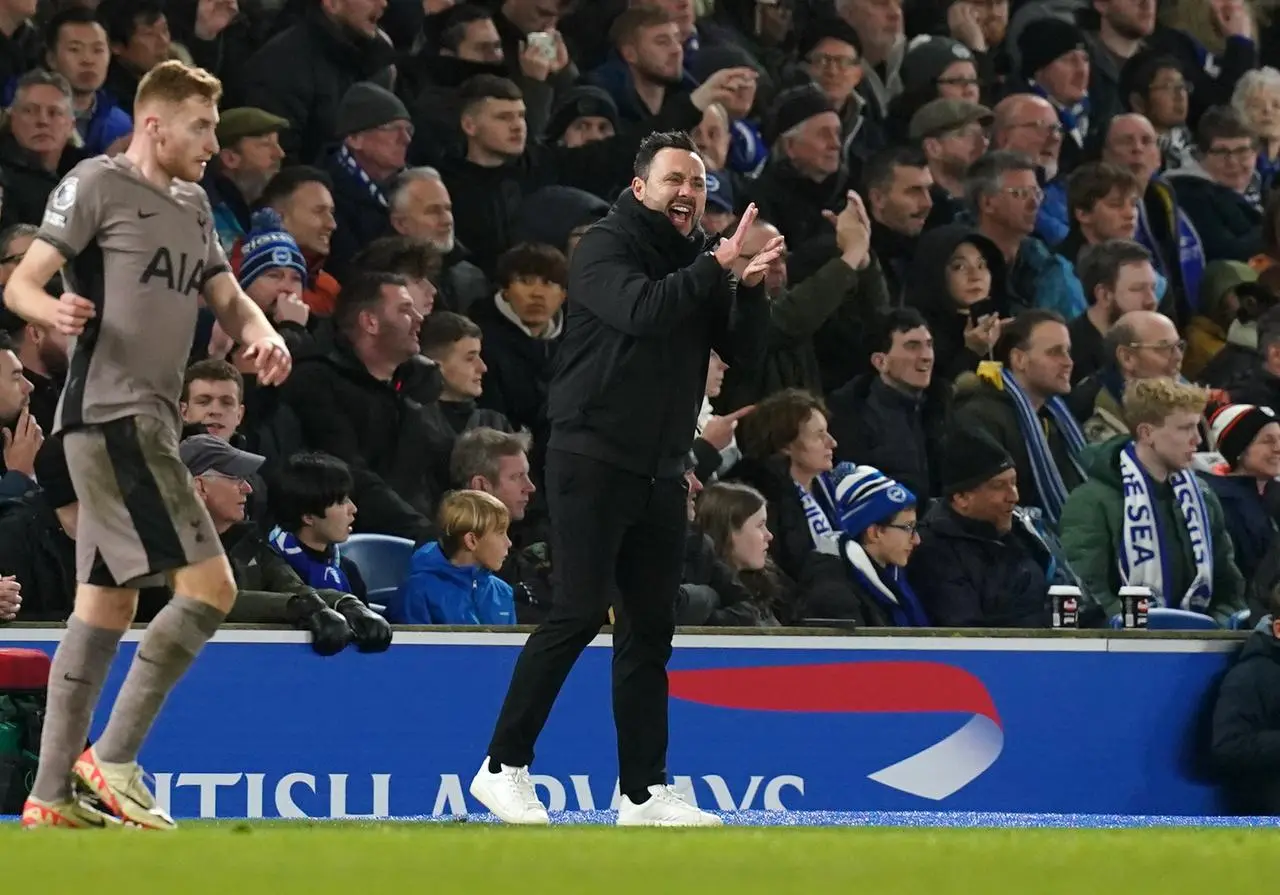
(551, 214)
(1245, 746)
(1229, 227)
(1092, 525)
(982, 402)
(646, 307)
(926, 290)
(378, 428)
(439, 593)
(520, 364)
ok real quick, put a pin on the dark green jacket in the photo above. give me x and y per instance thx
(264, 581)
(1092, 525)
(836, 297)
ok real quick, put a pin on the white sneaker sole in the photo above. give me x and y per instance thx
(480, 793)
(712, 821)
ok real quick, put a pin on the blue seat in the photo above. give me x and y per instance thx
(1163, 619)
(383, 561)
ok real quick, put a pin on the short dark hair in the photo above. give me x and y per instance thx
(878, 172)
(651, 145)
(888, 325)
(478, 88)
(444, 329)
(1141, 71)
(212, 369)
(1017, 334)
(983, 177)
(288, 180)
(477, 452)
(632, 20)
(457, 20)
(409, 256)
(1099, 265)
(1220, 123)
(307, 484)
(362, 292)
(121, 18)
(776, 422)
(1093, 182)
(68, 15)
(532, 259)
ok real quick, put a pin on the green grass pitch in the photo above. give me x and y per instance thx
(281, 858)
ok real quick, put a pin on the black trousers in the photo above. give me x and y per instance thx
(614, 534)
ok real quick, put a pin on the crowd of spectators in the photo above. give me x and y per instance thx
(1026, 333)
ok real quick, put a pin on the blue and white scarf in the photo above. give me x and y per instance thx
(1074, 119)
(1053, 491)
(889, 588)
(352, 167)
(819, 508)
(1145, 559)
(319, 575)
(1191, 259)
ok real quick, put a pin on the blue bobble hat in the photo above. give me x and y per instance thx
(867, 497)
(268, 245)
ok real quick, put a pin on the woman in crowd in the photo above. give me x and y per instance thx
(787, 457)
(955, 282)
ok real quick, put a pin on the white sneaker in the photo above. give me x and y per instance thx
(509, 794)
(664, 808)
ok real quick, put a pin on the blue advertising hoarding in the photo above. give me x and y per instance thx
(263, 727)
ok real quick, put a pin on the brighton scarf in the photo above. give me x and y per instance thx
(317, 574)
(818, 516)
(1074, 119)
(888, 587)
(352, 167)
(1145, 559)
(1053, 491)
(1191, 260)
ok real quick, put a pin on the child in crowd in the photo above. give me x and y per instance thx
(452, 581)
(311, 500)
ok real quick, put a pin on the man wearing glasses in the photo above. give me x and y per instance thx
(1140, 345)
(1212, 189)
(374, 127)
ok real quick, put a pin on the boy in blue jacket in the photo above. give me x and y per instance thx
(451, 581)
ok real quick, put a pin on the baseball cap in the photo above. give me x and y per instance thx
(205, 453)
(247, 121)
(941, 115)
(719, 191)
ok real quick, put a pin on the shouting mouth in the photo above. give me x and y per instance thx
(681, 214)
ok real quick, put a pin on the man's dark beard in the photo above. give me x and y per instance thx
(1128, 31)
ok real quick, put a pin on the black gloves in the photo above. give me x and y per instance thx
(370, 631)
(329, 631)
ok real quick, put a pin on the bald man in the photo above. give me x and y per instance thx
(1165, 230)
(1028, 124)
(1141, 345)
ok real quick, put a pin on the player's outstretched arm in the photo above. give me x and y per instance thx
(242, 319)
(25, 294)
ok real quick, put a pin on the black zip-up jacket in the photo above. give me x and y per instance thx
(646, 307)
(1245, 745)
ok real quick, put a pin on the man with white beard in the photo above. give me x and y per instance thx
(421, 208)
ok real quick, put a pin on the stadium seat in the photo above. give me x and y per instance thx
(383, 561)
(1163, 619)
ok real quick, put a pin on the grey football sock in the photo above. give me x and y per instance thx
(166, 651)
(80, 666)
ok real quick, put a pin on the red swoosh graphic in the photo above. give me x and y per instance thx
(838, 687)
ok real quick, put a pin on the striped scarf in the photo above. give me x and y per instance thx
(1053, 491)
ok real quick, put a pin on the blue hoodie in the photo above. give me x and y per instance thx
(439, 593)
